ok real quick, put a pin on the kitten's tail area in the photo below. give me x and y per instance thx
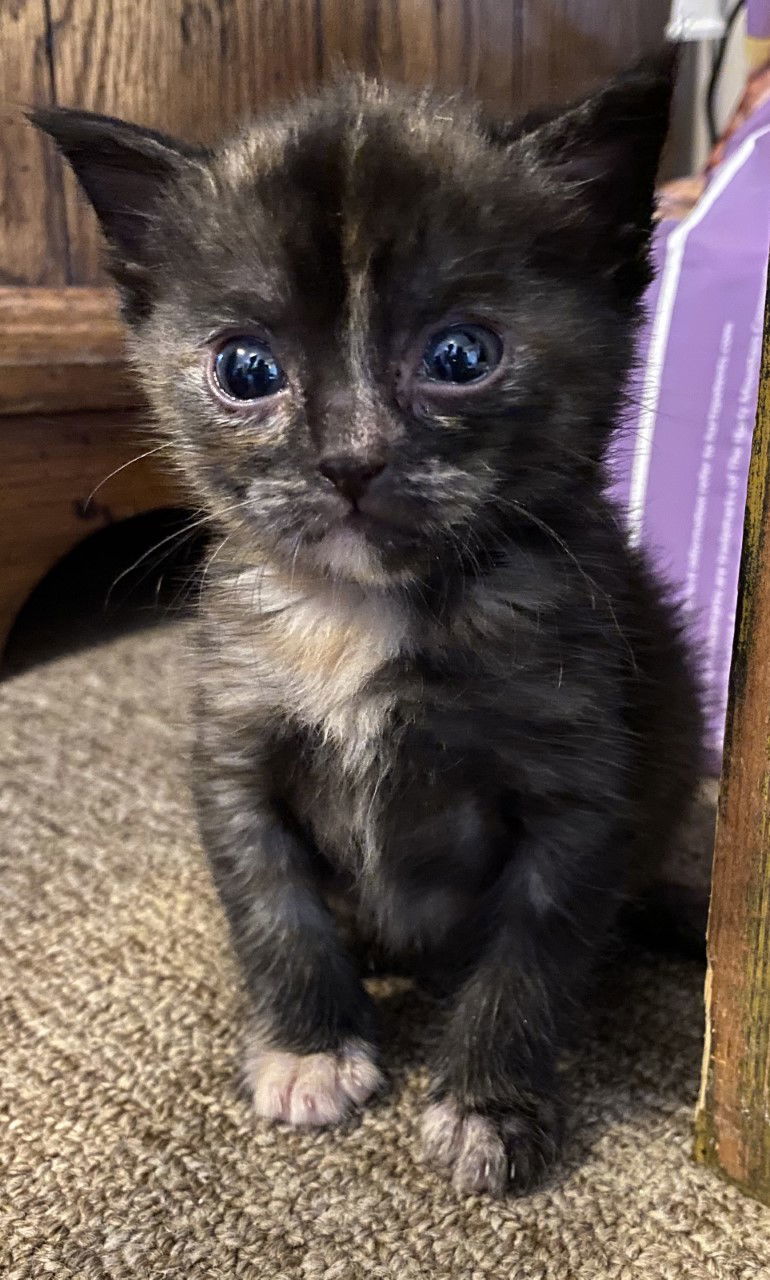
(671, 918)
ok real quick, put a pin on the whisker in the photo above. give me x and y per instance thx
(176, 535)
(118, 470)
(210, 561)
(181, 535)
(593, 585)
(186, 586)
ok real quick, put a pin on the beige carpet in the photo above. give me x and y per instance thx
(127, 1151)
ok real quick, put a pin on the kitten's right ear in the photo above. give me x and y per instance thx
(602, 155)
(122, 168)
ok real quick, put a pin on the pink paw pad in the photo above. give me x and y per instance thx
(311, 1089)
(467, 1145)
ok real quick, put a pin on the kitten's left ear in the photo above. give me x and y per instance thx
(123, 169)
(604, 152)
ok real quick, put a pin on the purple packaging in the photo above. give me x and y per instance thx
(681, 463)
(758, 19)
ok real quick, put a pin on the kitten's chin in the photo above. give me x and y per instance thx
(345, 553)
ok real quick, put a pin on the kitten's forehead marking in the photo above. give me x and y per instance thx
(356, 260)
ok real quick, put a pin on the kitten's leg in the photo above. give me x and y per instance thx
(496, 1113)
(310, 1057)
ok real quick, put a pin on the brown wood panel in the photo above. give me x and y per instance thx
(32, 226)
(50, 466)
(473, 45)
(196, 66)
(509, 55)
(574, 44)
(62, 349)
(192, 67)
(732, 1128)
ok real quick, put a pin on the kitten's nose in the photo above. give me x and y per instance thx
(351, 475)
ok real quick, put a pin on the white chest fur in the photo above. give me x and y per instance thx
(313, 647)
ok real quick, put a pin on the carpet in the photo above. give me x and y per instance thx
(127, 1148)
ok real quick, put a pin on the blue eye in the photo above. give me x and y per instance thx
(463, 353)
(246, 369)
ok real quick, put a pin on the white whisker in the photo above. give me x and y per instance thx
(149, 453)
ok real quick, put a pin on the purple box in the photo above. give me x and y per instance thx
(758, 19)
(681, 462)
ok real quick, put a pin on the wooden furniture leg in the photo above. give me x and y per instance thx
(733, 1114)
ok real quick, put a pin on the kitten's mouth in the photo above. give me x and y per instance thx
(365, 546)
(362, 520)
(380, 531)
(372, 516)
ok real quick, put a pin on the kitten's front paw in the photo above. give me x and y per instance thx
(312, 1089)
(487, 1155)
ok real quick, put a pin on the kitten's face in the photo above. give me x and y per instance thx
(375, 332)
(376, 281)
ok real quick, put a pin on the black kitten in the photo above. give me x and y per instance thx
(388, 344)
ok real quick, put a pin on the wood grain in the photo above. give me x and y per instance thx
(62, 349)
(190, 67)
(733, 1116)
(50, 466)
(33, 244)
(195, 67)
(510, 56)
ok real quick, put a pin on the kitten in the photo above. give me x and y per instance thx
(387, 342)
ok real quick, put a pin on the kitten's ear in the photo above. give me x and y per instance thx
(123, 169)
(503, 132)
(606, 149)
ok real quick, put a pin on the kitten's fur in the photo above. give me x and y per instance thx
(474, 719)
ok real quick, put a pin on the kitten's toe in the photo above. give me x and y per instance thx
(311, 1089)
(467, 1147)
(441, 1133)
(488, 1155)
(481, 1165)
